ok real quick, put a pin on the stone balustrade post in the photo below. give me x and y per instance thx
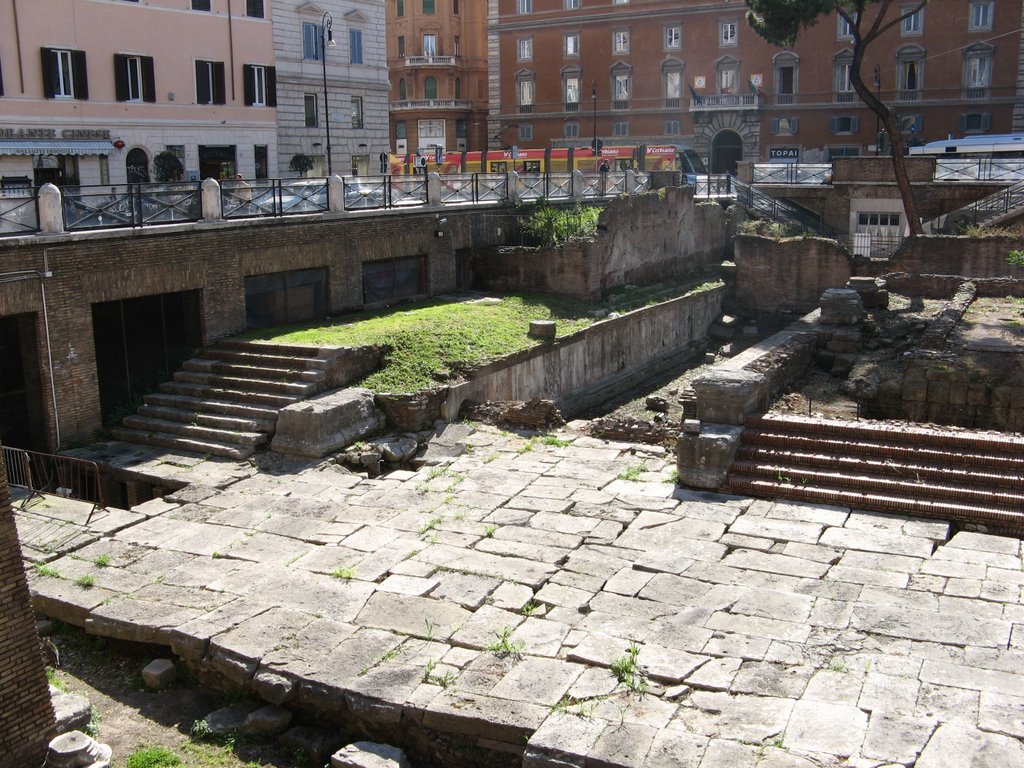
(630, 182)
(211, 200)
(433, 188)
(51, 210)
(335, 193)
(513, 187)
(579, 184)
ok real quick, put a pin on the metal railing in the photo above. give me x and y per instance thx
(474, 188)
(792, 173)
(272, 197)
(991, 207)
(49, 474)
(19, 213)
(761, 203)
(131, 205)
(872, 245)
(727, 101)
(713, 185)
(979, 169)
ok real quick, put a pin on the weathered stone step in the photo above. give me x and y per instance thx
(225, 393)
(255, 413)
(179, 443)
(255, 347)
(265, 360)
(879, 467)
(953, 493)
(903, 434)
(293, 388)
(144, 424)
(1003, 520)
(212, 420)
(247, 372)
(884, 449)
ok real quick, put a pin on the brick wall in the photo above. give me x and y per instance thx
(27, 716)
(786, 275)
(212, 260)
(951, 255)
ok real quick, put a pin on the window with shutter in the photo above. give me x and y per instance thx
(64, 74)
(355, 46)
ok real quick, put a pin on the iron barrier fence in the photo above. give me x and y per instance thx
(474, 188)
(272, 197)
(979, 169)
(713, 185)
(19, 212)
(130, 205)
(780, 210)
(49, 474)
(993, 206)
(792, 173)
(872, 245)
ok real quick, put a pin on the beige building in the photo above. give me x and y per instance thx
(356, 88)
(92, 90)
(437, 60)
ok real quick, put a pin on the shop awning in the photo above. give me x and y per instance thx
(55, 147)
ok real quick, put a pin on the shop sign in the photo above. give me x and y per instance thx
(54, 133)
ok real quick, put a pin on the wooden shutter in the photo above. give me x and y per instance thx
(218, 82)
(79, 75)
(271, 86)
(148, 79)
(203, 95)
(121, 77)
(854, 124)
(48, 58)
(249, 84)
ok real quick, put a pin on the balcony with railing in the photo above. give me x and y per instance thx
(723, 101)
(430, 104)
(909, 94)
(430, 61)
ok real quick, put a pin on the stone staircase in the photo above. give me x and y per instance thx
(964, 477)
(225, 401)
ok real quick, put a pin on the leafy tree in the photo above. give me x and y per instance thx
(167, 167)
(300, 163)
(1016, 258)
(779, 21)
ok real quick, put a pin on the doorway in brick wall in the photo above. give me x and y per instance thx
(21, 385)
(140, 342)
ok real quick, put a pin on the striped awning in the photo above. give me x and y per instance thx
(54, 147)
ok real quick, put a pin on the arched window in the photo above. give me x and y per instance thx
(430, 88)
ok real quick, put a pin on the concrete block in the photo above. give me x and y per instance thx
(367, 754)
(703, 459)
(543, 329)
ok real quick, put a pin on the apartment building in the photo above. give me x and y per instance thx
(331, 50)
(92, 90)
(687, 72)
(437, 60)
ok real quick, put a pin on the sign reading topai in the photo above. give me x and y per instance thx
(53, 133)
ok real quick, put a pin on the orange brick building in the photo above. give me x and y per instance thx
(679, 71)
(437, 65)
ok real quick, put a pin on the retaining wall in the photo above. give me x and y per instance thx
(578, 370)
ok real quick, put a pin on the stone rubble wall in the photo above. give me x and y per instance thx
(944, 286)
(27, 715)
(641, 239)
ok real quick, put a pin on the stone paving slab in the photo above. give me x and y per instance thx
(539, 609)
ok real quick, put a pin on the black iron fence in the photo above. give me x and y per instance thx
(131, 205)
(19, 212)
(49, 474)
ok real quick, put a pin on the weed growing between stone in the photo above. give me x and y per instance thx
(152, 757)
(628, 671)
(505, 647)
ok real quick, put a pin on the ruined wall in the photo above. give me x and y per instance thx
(640, 239)
(27, 715)
(977, 390)
(786, 275)
(213, 260)
(576, 370)
(952, 255)
(944, 286)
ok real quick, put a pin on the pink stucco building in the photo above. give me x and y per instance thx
(92, 90)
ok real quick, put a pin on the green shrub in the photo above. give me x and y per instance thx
(549, 227)
(152, 757)
(777, 230)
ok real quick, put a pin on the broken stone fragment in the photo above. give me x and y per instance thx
(76, 750)
(367, 754)
(159, 673)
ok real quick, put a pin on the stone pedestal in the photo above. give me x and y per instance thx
(327, 423)
(729, 396)
(543, 329)
(703, 458)
(841, 306)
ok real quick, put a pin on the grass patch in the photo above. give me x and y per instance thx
(102, 561)
(42, 569)
(554, 441)
(433, 341)
(344, 574)
(633, 472)
(86, 582)
(152, 757)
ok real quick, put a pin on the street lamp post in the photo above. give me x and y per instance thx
(593, 99)
(327, 41)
